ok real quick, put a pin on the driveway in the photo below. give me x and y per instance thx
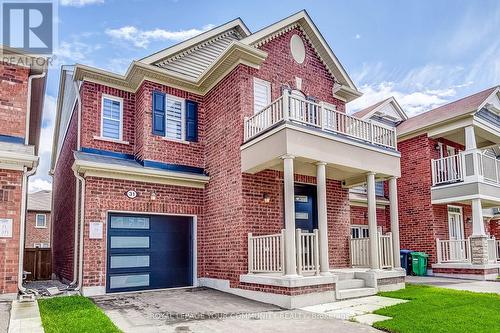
(457, 284)
(207, 310)
(4, 315)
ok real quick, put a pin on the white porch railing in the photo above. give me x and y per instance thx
(385, 250)
(318, 115)
(447, 170)
(307, 251)
(453, 250)
(493, 250)
(457, 167)
(360, 251)
(266, 254)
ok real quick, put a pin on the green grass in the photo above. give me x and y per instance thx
(437, 310)
(73, 314)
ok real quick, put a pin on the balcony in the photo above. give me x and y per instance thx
(319, 116)
(470, 174)
(315, 131)
(459, 251)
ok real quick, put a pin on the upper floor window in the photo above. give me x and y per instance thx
(41, 221)
(175, 118)
(112, 117)
(379, 189)
(261, 94)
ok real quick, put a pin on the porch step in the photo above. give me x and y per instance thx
(355, 293)
(350, 284)
(344, 275)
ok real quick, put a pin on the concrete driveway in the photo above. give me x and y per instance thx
(457, 284)
(207, 310)
(4, 315)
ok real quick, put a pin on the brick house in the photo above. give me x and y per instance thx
(22, 89)
(223, 161)
(38, 220)
(449, 191)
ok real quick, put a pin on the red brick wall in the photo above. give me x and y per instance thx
(34, 234)
(359, 217)
(10, 208)
(157, 148)
(103, 195)
(493, 227)
(420, 221)
(13, 89)
(63, 210)
(281, 69)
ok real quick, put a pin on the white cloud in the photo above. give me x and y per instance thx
(142, 38)
(358, 36)
(80, 3)
(41, 180)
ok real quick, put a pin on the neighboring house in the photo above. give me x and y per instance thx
(22, 90)
(38, 220)
(223, 161)
(389, 113)
(449, 191)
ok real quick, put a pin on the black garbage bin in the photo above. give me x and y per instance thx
(406, 262)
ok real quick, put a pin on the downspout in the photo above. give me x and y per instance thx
(28, 105)
(77, 194)
(24, 189)
(82, 224)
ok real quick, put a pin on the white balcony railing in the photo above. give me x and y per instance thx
(493, 250)
(360, 251)
(266, 254)
(318, 115)
(453, 250)
(307, 252)
(468, 163)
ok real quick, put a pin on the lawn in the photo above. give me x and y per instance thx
(437, 310)
(73, 314)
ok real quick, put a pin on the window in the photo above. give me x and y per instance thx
(41, 245)
(379, 189)
(261, 94)
(111, 117)
(175, 118)
(41, 221)
(359, 231)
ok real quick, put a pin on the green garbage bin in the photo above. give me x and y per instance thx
(419, 263)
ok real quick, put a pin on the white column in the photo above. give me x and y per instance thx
(289, 201)
(372, 220)
(322, 217)
(477, 218)
(470, 138)
(393, 199)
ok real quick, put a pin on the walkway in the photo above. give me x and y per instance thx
(457, 284)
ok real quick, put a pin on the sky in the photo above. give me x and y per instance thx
(424, 53)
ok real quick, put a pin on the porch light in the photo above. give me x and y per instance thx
(468, 220)
(437, 147)
(266, 198)
(153, 195)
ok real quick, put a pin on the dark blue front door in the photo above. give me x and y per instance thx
(305, 207)
(149, 252)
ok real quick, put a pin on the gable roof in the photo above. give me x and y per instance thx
(366, 113)
(40, 201)
(461, 107)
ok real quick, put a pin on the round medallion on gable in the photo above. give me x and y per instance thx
(297, 49)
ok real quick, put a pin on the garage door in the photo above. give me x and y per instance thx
(149, 252)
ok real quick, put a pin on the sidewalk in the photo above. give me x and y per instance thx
(25, 317)
(457, 284)
(4, 315)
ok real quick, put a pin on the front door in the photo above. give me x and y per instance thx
(456, 232)
(305, 208)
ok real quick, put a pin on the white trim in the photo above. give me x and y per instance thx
(116, 99)
(461, 214)
(194, 230)
(463, 198)
(100, 138)
(44, 220)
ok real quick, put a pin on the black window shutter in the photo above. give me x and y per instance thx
(191, 121)
(158, 113)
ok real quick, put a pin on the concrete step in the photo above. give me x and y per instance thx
(344, 275)
(355, 293)
(350, 284)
